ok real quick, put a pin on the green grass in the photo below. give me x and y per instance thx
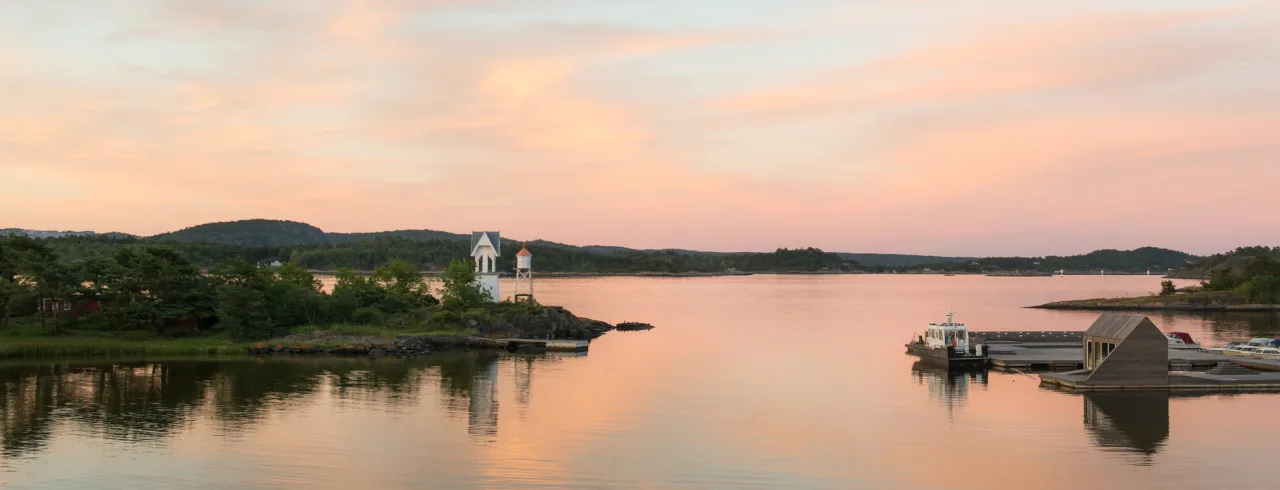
(100, 346)
(26, 338)
(373, 330)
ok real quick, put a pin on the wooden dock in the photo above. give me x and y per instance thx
(1184, 382)
(568, 345)
(1062, 351)
(1058, 357)
(532, 346)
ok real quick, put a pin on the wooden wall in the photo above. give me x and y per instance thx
(1142, 358)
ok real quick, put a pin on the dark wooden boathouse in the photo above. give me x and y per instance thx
(1125, 349)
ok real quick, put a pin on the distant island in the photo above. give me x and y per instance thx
(1246, 279)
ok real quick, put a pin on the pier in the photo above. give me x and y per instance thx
(1125, 352)
(535, 345)
(1062, 351)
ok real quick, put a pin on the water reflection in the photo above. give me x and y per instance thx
(1133, 422)
(951, 388)
(145, 403)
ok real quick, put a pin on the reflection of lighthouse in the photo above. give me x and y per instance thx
(482, 412)
(524, 379)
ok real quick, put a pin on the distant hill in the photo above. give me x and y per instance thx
(1161, 260)
(677, 251)
(262, 238)
(340, 238)
(1235, 260)
(254, 232)
(58, 234)
(899, 260)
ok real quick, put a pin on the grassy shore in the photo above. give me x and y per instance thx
(31, 340)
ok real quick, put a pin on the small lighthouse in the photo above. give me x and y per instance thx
(524, 275)
(486, 247)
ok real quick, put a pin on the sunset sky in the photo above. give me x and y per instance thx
(943, 127)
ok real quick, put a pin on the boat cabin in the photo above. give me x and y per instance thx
(1180, 338)
(942, 335)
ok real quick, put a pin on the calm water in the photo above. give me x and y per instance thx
(748, 382)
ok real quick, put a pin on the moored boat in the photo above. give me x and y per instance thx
(947, 344)
(1181, 340)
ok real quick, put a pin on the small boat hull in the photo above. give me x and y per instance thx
(946, 357)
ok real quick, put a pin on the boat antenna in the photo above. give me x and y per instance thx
(950, 312)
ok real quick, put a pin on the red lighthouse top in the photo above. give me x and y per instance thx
(524, 252)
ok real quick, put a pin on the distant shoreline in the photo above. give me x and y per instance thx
(327, 272)
(1196, 301)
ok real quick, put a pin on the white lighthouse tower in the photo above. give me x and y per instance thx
(486, 247)
(524, 275)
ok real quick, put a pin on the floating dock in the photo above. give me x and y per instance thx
(568, 345)
(535, 345)
(1062, 351)
(1215, 380)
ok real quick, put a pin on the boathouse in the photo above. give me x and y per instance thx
(1125, 349)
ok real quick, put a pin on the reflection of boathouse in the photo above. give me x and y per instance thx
(1131, 422)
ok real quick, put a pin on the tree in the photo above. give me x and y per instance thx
(296, 297)
(154, 287)
(242, 302)
(1167, 288)
(402, 286)
(36, 267)
(1262, 289)
(354, 297)
(460, 288)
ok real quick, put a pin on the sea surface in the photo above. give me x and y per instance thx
(762, 381)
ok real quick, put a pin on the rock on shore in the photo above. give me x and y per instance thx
(632, 326)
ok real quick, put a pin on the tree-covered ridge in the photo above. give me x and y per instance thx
(254, 232)
(1258, 280)
(434, 255)
(1235, 261)
(1157, 260)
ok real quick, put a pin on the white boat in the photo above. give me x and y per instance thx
(1240, 350)
(1266, 353)
(947, 344)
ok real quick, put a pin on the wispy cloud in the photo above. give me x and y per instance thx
(1029, 133)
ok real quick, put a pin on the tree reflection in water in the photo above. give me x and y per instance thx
(146, 402)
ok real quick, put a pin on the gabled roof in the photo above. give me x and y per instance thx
(495, 238)
(1116, 325)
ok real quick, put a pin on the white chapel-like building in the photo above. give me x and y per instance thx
(486, 247)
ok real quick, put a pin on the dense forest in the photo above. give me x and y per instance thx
(146, 288)
(304, 245)
(1253, 272)
(435, 254)
(1235, 260)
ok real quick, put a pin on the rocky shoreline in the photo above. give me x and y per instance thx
(524, 333)
(1199, 301)
(345, 345)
